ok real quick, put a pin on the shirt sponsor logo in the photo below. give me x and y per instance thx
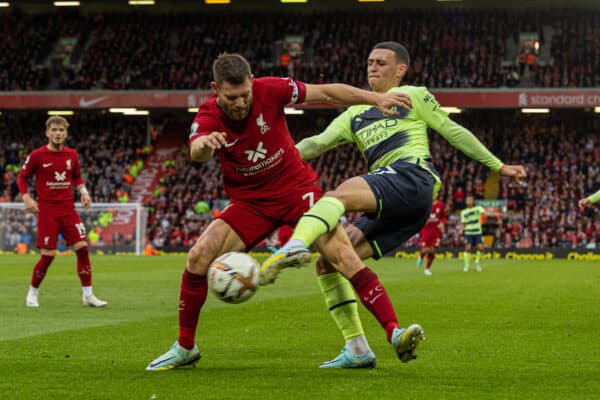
(255, 155)
(262, 166)
(60, 176)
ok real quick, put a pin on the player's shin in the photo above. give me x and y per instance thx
(375, 298)
(40, 269)
(430, 258)
(194, 289)
(341, 302)
(320, 219)
(84, 267)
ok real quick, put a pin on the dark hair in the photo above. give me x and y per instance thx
(232, 68)
(400, 51)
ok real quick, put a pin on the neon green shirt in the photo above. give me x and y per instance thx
(471, 218)
(384, 139)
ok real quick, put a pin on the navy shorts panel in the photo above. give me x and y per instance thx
(404, 194)
(473, 240)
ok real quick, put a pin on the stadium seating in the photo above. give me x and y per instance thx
(467, 48)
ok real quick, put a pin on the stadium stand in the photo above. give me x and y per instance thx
(467, 48)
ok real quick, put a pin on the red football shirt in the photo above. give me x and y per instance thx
(56, 172)
(438, 214)
(260, 160)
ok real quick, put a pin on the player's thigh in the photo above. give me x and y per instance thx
(251, 222)
(356, 195)
(72, 228)
(217, 239)
(47, 230)
(383, 236)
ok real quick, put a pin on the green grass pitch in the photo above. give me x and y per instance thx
(523, 330)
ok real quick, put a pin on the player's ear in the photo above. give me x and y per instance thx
(214, 87)
(401, 70)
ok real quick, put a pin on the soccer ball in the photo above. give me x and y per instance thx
(233, 277)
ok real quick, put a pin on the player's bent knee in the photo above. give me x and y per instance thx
(79, 245)
(199, 257)
(48, 252)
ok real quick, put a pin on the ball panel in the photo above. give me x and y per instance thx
(233, 277)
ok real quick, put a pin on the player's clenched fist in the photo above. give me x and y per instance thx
(215, 140)
(203, 147)
(516, 172)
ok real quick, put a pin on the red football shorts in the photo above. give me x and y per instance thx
(254, 221)
(53, 221)
(430, 238)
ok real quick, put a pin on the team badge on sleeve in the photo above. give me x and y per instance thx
(194, 129)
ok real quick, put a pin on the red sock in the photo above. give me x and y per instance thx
(84, 269)
(191, 298)
(430, 258)
(374, 297)
(39, 271)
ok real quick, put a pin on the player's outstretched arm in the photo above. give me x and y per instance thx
(339, 93)
(587, 201)
(202, 149)
(461, 138)
(338, 132)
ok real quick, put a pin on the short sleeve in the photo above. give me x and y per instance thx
(202, 125)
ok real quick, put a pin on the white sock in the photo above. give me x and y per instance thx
(358, 346)
(87, 290)
(295, 242)
(33, 290)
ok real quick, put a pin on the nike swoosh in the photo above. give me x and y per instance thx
(161, 361)
(87, 103)
(46, 165)
(230, 144)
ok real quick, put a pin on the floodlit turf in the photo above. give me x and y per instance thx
(523, 330)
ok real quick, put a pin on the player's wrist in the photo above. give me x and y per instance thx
(83, 191)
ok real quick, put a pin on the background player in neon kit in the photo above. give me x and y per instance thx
(396, 194)
(267, 181)
(431, 234)
(471, 219)
(56, 169)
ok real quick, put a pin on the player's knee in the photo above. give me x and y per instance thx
(79, 245)
(200, 256)
(48, 252)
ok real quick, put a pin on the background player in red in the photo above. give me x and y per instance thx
(431, 234)
(268, 183)
(56, 169)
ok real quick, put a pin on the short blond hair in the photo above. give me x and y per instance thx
(57, 120)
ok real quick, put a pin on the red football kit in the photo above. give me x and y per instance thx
(431, 234)
(268, 182)
(56, 173)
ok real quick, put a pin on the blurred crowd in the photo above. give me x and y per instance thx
(454, 48)
(561, 152)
